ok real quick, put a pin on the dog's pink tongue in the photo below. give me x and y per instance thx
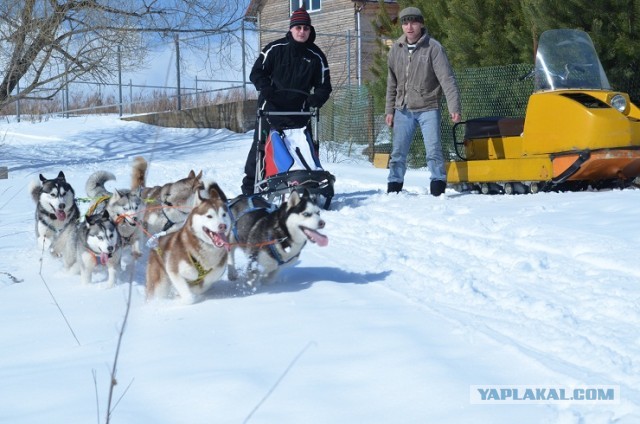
(103, 258)
(61, 215)
(220, 240)
(320, 239)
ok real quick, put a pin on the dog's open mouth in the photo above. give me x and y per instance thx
(218, 239)
(61, 215)
(315, 237)
(104, 258)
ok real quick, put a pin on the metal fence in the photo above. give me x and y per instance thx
(348, 121)
(349, 118)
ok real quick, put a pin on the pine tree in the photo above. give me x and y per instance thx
(484, 33)
(386, 31)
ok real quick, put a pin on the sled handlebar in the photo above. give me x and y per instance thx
(297, 113)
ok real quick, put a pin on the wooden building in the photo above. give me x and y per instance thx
(344, 31)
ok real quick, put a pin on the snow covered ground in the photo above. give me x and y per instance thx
(415, 303)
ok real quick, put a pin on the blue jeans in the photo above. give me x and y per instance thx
(404, 127)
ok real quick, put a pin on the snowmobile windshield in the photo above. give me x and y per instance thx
(566, 59)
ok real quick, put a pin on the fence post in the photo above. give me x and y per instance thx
(18, 101)
(178, 71)
(197, 95)
(359, 47)
(65, 92)
(372, 128)
(119, 81)
(349, 57)
(244, 65)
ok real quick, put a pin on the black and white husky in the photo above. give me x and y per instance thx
(272, 237)
(56, 212)
(95, 242)
(123, 206)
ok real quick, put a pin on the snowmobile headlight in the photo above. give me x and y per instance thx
(619, 102)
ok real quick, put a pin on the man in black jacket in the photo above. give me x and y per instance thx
(285, 73)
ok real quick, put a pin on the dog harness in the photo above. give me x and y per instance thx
(95, 204)
(201, 272)
(278, 257)
(251, 208)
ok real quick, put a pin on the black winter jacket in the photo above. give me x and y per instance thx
(286, 64)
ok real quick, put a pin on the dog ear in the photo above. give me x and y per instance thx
(215, 192)
(61, 176)
(42, 178)
(89, 220)
(294, 199)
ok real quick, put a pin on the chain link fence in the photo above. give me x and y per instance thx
(348, 118)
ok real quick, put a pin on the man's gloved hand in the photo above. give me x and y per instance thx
(314, 101)
(268, 92)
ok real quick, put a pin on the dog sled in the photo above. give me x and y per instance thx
(287, 157)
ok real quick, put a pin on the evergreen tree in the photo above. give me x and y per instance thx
(386, 31)
(612, 25)
(479, 33)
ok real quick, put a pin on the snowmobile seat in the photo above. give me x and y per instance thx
(493, 126)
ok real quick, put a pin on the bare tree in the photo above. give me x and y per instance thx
(46, 44)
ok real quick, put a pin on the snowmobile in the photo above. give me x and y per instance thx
(577, 132)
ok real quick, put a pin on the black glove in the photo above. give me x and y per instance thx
(268, 92)
(314, 101)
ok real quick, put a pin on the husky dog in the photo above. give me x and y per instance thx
(271, 238)
(167, 206)
(96, 242)
(123, 206)
(192, 258)
(56, 212)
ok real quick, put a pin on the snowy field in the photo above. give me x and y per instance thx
(415, 303)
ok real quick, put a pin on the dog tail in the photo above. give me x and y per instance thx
(34, 190)
(95, 184)
(138, 176)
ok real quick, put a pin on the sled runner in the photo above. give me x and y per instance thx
(287, 157)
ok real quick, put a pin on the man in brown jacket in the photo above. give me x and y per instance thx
(419, 73)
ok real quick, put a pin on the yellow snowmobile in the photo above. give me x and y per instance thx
(577, 131)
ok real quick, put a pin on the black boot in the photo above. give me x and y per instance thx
(247, 185)
(394, 187)
(437, 187)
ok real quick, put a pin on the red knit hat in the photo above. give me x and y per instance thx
(300, 17)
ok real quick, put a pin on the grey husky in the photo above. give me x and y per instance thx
(95, 241)
(167, 206)
(123, 206)
(56, 212)
(272, 237)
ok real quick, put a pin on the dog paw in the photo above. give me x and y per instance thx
(232, 274)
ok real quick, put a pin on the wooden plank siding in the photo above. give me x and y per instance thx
(336, 33)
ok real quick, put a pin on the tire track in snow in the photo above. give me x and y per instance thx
(506, 279)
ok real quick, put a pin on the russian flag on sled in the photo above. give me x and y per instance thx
(288, 160)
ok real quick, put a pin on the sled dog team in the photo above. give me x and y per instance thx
(192, 229)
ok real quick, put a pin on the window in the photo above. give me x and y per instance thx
(310, 5)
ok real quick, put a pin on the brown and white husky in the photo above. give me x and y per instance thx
(193, 258)
(167, 206)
